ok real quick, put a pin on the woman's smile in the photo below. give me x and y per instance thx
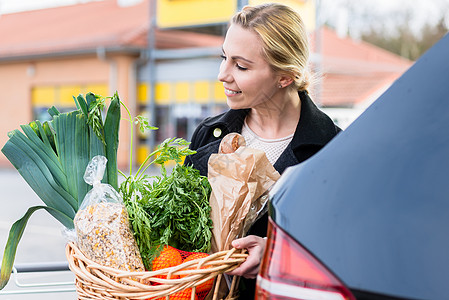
(230, 93)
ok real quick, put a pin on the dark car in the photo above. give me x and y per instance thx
(367, 217)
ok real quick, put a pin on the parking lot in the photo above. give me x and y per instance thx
(42, 242)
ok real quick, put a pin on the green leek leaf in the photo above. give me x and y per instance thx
(38, 177)
(15, 234)
(111, 130)
(53, 111)
(90, 98)
(81, 104)
(50, 133)
(45, 152)
(80, 149)
(64, 125)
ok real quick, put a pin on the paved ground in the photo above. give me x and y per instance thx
(41, 242)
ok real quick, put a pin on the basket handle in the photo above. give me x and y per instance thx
(235, 279)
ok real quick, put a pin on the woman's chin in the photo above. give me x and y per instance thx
(235, 105)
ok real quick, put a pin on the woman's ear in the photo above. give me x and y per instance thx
(285, 80)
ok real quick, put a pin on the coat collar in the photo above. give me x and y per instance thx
(231, 121)
(314, 126)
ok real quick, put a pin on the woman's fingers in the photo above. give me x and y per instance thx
(255, 246)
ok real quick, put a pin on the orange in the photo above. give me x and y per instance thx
(181, 295)
(206, 286)
(169, 257)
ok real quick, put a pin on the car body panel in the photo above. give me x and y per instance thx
(373, 205)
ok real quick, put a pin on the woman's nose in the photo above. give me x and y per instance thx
(223, 74)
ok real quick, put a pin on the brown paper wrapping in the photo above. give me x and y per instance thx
(238, 179)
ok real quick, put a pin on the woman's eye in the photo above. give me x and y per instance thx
(223, 57)
(241, 68)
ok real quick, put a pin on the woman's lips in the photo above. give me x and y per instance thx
(229, 92)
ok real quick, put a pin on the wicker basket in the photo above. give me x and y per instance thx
(94, 281)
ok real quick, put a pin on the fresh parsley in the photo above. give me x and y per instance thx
(170, 209)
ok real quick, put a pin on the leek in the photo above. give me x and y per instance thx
(52, 158)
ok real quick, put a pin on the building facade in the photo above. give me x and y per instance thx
(167, 73)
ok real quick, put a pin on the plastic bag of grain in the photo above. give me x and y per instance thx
(102, 227)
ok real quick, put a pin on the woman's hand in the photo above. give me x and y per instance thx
(255, 246)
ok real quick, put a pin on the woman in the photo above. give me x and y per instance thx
(265, 79)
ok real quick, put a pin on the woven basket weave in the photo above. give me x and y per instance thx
(94, 281)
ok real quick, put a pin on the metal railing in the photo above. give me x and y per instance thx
(38, 287)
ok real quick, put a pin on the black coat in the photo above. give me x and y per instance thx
(314, 130)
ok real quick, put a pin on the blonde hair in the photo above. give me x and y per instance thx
(284, 39)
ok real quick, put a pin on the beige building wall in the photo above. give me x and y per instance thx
(17, 80)
(15, 108)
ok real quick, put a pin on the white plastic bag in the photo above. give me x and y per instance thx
(102, 227)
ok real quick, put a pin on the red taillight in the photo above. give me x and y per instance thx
(288, 271)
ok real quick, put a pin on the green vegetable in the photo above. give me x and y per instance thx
(111, 131)
(172, 210)
(168, 209)
(52, 157)
(15, 234)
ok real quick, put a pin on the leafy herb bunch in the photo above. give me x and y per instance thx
(170, 209)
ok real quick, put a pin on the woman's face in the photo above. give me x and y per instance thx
(247, 78)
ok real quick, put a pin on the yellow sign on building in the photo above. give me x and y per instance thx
(306, 8)
(183, 13)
